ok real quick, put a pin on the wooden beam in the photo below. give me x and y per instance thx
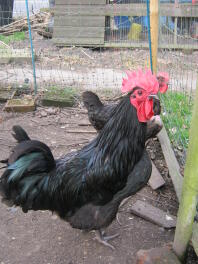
(99, 10)
(80, 2)
(74, 41)
(79, 21)
(154, 22)
(171, 161)
(184, 10)
(127, 44)
(79, 32)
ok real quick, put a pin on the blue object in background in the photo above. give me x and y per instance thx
(162, 20)
(122, 22)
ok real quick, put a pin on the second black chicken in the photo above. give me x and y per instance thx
(99, 114)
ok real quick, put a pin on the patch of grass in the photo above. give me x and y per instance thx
(177, 117)
(17, 36)
(60, 93)
(45, 9)
(60, 97)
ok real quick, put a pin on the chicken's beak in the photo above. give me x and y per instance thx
(156, 104)
(153, 96)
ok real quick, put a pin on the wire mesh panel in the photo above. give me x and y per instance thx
(179, 32)
(89, 44)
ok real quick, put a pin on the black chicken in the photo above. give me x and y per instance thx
(99, 114)
(86, 187)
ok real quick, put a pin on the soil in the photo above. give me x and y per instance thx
(94, 68)
(41, 237)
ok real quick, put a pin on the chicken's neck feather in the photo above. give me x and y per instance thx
(122, 140)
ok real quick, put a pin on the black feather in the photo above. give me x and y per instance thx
(94, 175)
(20, 134)
(99, 114)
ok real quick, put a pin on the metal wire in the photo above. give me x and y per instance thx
(32, 48)
(100, 68)
(149, 32)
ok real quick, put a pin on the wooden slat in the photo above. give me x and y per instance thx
(79, 41)
(129, 44)
(156, 181)
(153, 214)
(79, 32)
(80, 2)
(171, 161)
(124, 44)
(99, 10)
(184, 10)
(76, 21)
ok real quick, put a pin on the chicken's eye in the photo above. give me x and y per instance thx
(139, 92)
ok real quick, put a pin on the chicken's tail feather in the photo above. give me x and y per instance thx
(91, 100)
(20, 134)
(25, 182)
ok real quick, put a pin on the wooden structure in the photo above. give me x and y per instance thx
(6, 9)
(83, 22)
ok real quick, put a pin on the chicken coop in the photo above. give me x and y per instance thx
(123, 24)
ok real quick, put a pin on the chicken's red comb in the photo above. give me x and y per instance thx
(163, 75)
(144, 79)
(163, 79)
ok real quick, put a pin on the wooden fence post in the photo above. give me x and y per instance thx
(187, 208)
(154, 22)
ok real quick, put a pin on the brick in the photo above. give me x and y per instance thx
(162, 255)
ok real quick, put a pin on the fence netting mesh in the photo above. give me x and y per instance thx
(101, 67)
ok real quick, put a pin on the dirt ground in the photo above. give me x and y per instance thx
(40, 237)
(94, 68)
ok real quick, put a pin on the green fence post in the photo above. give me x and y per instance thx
(187, 208)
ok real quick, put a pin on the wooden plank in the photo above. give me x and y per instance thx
(76, 21)
(80, 2)
(99, 10)
(79, 41)
(153, 214)
(128, 44)
(171, 161)
(79, 32)
(184, 10)
(15, 55)
(156, 181)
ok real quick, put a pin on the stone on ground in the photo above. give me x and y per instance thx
(162, 255)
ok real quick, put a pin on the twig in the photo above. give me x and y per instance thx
(87, 54)
(88, 124)
(80, 131)
(79, 111)
(1, 42)
(69, 145)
